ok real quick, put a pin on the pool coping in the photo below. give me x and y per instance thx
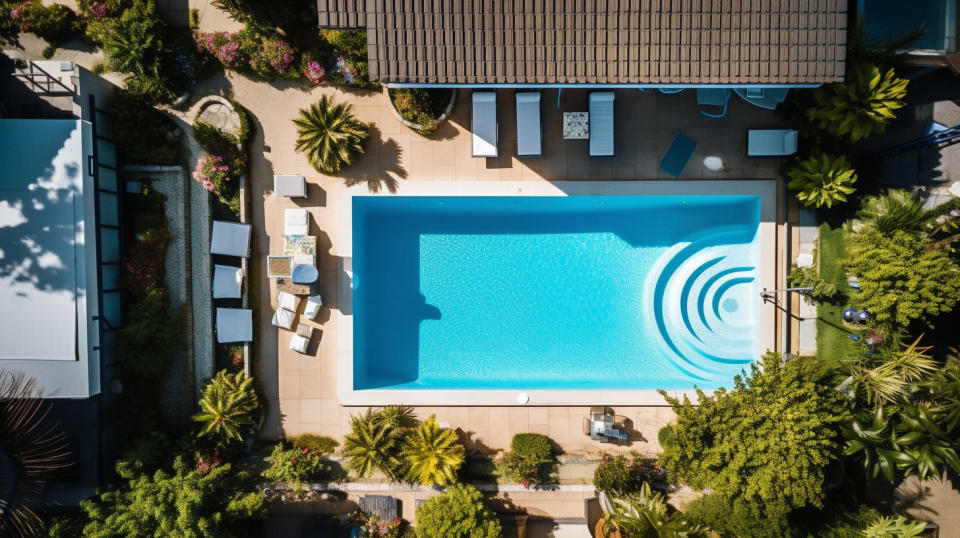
(766, 277)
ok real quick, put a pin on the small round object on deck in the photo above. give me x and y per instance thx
(523, 398)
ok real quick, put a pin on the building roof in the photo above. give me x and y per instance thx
(45, 268)
(655, 42)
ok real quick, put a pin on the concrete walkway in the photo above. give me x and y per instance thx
(809, 235)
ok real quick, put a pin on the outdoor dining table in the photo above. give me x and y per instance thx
(576, 125)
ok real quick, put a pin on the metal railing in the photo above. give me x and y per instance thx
(43, 83)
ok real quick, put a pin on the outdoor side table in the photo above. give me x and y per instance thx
(576, 125)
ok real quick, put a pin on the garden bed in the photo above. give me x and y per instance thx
(422, 110)
(832, 341)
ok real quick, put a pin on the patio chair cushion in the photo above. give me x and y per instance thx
(288, 301)
(230, 239)
(313, 307)
(484, 124)
(601, 124)
(296, 222)
(234, 325)
(678, 155)
(771, 142)
(299, 344)
(283, 318)
(290, 185)
(529, 139)
(226, 282)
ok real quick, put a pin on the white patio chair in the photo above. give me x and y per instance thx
(290, 185)
(296, 222)
(529, 133)
(484, 124)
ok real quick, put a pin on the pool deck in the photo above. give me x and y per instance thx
(303, 389)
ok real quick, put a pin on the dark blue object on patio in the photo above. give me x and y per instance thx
(678, 155)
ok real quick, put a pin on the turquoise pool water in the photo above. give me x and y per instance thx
(569, 292)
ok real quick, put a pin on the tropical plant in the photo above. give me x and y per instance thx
(899, 527)
(134, 44)
(861, 106)
(32, 452)
(889, 374)
(900, 210)
(315, 443)
(736, 441)
(528, 460)
(329, 135)
(621, 476)
(823, 292)
(293, 466)
(732, 518)
(185, 502)
(397, 417)
(646, 514)
(902, 277)
(459, 512)
(432, 455)
(370, 446)
(821, 180)
(228, 404)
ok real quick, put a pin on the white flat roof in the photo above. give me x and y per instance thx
(766, 312)
(45, 271)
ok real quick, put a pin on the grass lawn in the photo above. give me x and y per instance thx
(832, 341)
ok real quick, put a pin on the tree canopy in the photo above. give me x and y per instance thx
(765, 443)
(458, 513)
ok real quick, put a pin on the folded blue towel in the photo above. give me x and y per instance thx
(678, 155)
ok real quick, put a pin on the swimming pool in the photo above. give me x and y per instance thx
(553, 292)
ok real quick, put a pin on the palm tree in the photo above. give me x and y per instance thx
(645, 514)
(32, 452)
(900, 210)
(888, 527)
(890, 375)
(228, 404)
(134, 42)
(432, 455)
(370, 446)
(399, 417)
(329, 135)
(860, 106)
(822, 179)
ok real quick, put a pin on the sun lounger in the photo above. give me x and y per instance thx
(234, 325)
(771, 142)
(226, 282)
(484, 124)
(230, 239)
(529, 132)
(714, 97)
(290, 185)
(296, 222)
(601, 124)
(382, 506)
(678, 155)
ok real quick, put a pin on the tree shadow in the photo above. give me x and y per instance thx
(380, 167)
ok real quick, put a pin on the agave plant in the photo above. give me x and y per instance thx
(822, 179)
(329, 135)
(32, 452)
(899, 527)
(228, 404)
(862, 105)
(646, 514)
(370, 446)
(432, 456)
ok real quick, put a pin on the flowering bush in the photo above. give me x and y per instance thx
(526, 462)
(55, 23)
(273, 56)
(97, 10)
(206, 464)
(374, 527)
(292, 466)
(213, 173)
(421, 106)
(143, 267)
(224, 46)
(312, 70)
(622, 476)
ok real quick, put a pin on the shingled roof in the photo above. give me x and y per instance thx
(657, 42)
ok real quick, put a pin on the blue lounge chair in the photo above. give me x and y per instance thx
(678, 155)
(714, 97)
(771, 142)
(529, 143)
(601, 124)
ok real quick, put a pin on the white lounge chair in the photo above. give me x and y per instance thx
(230, 239)
(226, 282)
(290, 185)
(771, 142)
(313, 307)
(234, 325)
(529, 133)
(484, 125)
(296, 222)
(601, 124)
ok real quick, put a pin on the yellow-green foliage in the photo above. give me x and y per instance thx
(765, 443)
(864, 104)
(902, 277)
(432, 455)
(822, 179)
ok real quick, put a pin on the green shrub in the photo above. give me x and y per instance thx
(736, 442)
(229, 405)
(528, 460)
(139, 131)
(146, 455)
(732, 518)
(293, 465)
(823, 292)
(421, 106)
(902, 277)
(459, 512)
(532, 446)
(862, 105)
(55, 23)
(152, 89)
(315, 443)
(351, 43)
(622, 476)
(821, 179)
(244, 135)
(148, 340)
